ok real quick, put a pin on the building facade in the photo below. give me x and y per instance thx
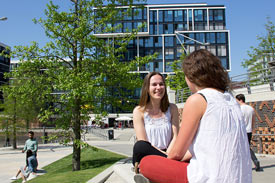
(4, 66)
(170, 30)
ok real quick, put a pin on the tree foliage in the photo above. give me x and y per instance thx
(263, 51)
(177, 81)
(77, 72)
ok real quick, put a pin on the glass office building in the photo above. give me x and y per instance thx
(170, 30)
(4, 67)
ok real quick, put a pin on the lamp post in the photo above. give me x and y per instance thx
(3, 18)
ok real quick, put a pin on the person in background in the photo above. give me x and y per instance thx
(212, 129)
(31, 144)
(29, 170)
(156, 121)
(249, 120)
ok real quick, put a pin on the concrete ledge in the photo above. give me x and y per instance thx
(125, 172)
(103, 176)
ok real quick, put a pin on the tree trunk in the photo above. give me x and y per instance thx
(14, 146)
(77, 135)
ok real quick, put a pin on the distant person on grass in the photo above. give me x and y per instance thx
(29, 170)
(249, 119)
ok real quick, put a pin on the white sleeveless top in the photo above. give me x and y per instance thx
(220, 150)
(159, 130)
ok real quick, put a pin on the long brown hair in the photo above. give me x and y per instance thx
(204, 69)
(145, 97)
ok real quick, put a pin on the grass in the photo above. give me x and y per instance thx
(93, 162)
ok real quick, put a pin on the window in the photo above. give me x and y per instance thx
(169, 41)
(179, 27)
(198, 15)
(158, 41)
(210, 37)
(221, 50)
(148, 42)
(212, 49)
(168, 29)
(221, 38)
(218, 15)
(127, 27)
(178, 15)
(190, 15)
(169, 53)
(224, 62)
(137, 14)
(168, 16)
(200, 37)
(160, 28)
(161, 16)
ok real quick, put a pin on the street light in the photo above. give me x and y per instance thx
(3, 18)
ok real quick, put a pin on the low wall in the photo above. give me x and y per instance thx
(263, 140)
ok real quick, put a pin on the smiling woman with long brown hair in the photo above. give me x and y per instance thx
(156, 121)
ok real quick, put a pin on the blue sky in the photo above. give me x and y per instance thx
(244, 18)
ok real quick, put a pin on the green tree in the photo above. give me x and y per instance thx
(77, 72)
(177, 81)
(263, 52)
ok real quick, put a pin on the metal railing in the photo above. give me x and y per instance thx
(252, 82)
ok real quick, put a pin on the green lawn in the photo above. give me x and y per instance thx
(93, 161)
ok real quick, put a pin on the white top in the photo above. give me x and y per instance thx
(159, 130)
(220, 150)
(248, 112)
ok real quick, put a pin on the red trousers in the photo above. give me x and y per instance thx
(163, 170)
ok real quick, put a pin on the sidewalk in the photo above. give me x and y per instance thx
(11, 160)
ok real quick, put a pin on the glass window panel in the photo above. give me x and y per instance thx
(149, 42)
(189, 41)
(222, 50)
(158, 41)
(200, 37)
(224, 62)
(158, 66)
(168, 16)
(185, 15)
(210, 15)
(151, 29)
(179, 27)
(145, 13)
(178, 15)
(127, 14)
(219, 26)
(199, 26)
(212, 49)
(198, 15)
(141, 42)
(160, 28)
(160, 16)
(169, 53)
(221, 37)
(137, 14)
(151, 16)
(169, 41)
(210, 37)
(190, 15)
(218, 15)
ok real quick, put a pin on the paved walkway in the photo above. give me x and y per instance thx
(11, 160)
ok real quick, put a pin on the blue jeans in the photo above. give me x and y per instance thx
(32, 161)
